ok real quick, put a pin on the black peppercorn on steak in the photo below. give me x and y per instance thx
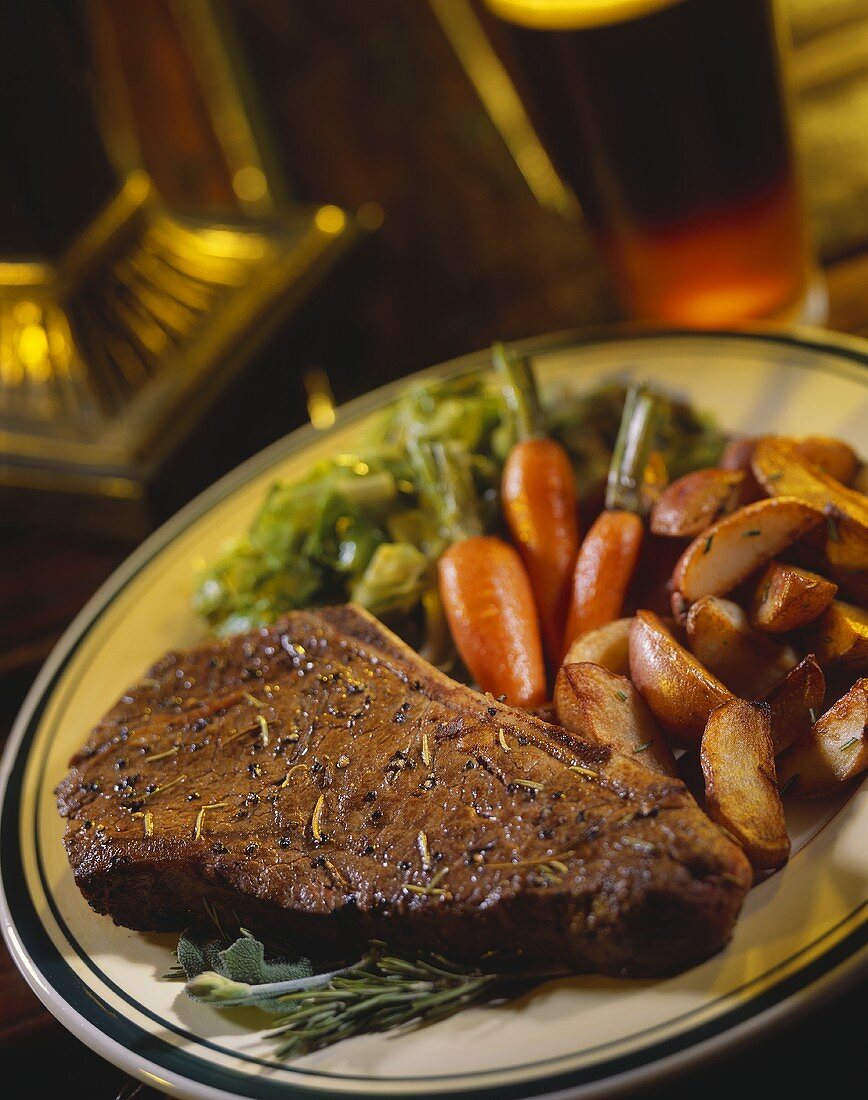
(320, 783)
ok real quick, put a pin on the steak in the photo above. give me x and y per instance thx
(322, 785)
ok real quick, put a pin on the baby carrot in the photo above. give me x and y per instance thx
(483, 585)
(604, 568)
(538, 493)
(610, 551)
(491, 613)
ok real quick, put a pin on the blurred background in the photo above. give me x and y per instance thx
(221, 218)
(390, 205)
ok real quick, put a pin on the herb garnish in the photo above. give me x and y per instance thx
(589, 772)
(316, 817)
(165, 786)
(708, 543)
(428, 891)
(381, 992)
(162, 755)
(638, 843)
(263, 731)
(200, 817)
(531, 784)
(424, 851)
(295, 768)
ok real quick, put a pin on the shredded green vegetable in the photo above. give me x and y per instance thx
(370, 526)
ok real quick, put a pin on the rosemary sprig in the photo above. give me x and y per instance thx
(587, 772)
(381, 992)
(316, 818)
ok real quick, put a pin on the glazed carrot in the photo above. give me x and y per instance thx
(538, 493)
(539, 499)
(491, 613)
(604, 568)
(609, 554)
(483, 585)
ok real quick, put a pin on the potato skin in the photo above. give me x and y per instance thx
(605, 708)
(741, 789)
(686, 507)
(748, 662)
(732, 548)
(839, 637)
(788, 598)
(833, 751)
(607, 645)
(679, 690)
(794, 701)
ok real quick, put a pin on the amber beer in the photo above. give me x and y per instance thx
(669, 121)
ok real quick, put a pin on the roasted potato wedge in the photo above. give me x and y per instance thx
(788, 598)
(741, 789)
(838, 551)
(733, 547)
(722, 639)
(784, 472)
(679, 691)
(605, 708)
(832, 456)
(795, 701)
(833, 751)
(690, 504)
(839, 638)
(843, 553)
(737, 455)
(607, 646)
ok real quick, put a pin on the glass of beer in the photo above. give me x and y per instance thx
(669, 120)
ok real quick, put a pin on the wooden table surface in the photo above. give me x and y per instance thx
(45, 579)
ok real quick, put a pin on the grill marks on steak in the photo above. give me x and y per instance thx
(321, 783)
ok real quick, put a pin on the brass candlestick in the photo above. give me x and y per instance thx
(121, 321)
(111, 355)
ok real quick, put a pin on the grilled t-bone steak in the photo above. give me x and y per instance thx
(322, 784)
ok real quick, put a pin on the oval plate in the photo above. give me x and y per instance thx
(802, 934)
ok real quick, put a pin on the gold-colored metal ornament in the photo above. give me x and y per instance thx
(111, 354)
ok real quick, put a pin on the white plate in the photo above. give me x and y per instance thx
(802, 933)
